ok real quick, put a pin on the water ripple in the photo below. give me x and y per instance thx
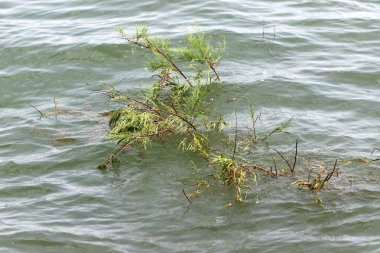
(314, 61)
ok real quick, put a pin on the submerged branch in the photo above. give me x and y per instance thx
(113, 155)
(257, 167)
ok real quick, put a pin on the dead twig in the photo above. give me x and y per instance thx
(373, 150)
(41, 114)
(283, 158)
(184, 193)
(329, 175)
(235, 139)
(287, 162)
(295, 157)
(308, 178)
(275, 166)
(257, 167)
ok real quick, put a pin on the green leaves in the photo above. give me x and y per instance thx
(202, 54)
(177, 105)
(199, 49)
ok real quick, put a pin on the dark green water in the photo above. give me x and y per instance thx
(318, 61)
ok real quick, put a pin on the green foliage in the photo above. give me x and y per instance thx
(177, 105)
(201, 53)
(281, 128)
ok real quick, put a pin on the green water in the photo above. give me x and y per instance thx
(316, 61)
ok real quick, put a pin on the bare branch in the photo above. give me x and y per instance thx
(257, 167)
(275, 165)
(283, 158)
(184, 193)
(329, 175)
(373, 150)
(295, 157)
(41, 114)
(235, 139)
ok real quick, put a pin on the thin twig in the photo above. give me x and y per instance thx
(55, 108)
(308, 178)
(235, 140)
(153, 47)
(283, 158)
(254, 120)
(125, 144)
(263, 169)
(257, 167)
(184, 119)
(115, 153)
(173, 106)
(41, 114)
(135, 42)
(329, 175)
(184, 193)
(295, 157)
(213, 69)
(178, 102)
(254, 125)
(373, 150)
(275, 165)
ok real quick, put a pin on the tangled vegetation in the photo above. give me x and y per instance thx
(177, 105)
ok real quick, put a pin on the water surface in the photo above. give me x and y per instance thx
(316, 61)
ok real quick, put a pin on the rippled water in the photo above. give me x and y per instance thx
(317, 61)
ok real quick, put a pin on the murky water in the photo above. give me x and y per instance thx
(316, 61)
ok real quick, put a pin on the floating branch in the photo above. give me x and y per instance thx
(319, 181)
(178, 105)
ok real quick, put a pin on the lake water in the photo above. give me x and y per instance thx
(316, 61)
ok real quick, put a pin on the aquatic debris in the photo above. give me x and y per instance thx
(320, 179)
(56, 111)
(66, 140)
(178, 105)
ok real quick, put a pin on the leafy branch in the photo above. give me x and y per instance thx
(178, 105)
